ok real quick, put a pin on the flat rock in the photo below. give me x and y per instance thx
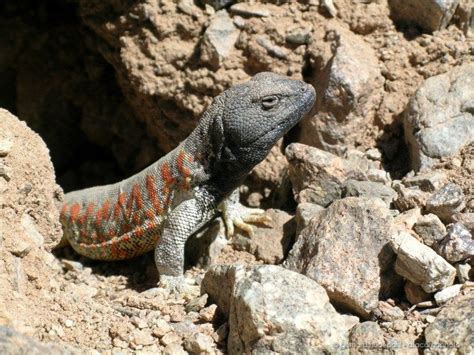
(429, 181)
(457, 245)
(446, 202)
(318, 176)
(439, 119)
(219, 39)
(369, 189)
(448, 293)
(431, 15)
(430, 228)
(278, 310)
(453, 329)
(420, 264)
(345, 249)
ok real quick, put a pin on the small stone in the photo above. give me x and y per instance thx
(378, 175)
(429, 181)
(446, 202)
(170, 338)
(161, 327)
(140, 323)
(5, 147)
(420, 264)
(219, 4)
(386, 312)
(142, 337)
(464, 272)
(374, 154)
(366, 335)
(298, 36)
(329, 6)
(199, 343)
(71, 265)
(249, 10)
(369, 189)
(272, 49)
(415, 294)
(208, 314)
(5, 171)
(409, 198)
(400, 325)
(188, 7)
(466, 219)
(457, 245)
(196, 304)
(430, 319)
(430, 229)
(304, 213)
(68, 323)
(445, 295)
(174, 349)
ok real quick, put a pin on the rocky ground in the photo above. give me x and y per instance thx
(372, 197)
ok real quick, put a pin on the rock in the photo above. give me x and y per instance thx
(406, 220)
(409, 198)
(378, 175)
(278, 310)
(429, 181)
(453, 329)
(415, 294)
(387, 312)
(438, 120)
(219, 4)
(466, 219)
(299, 35)
(356, 227)
(250, 10)
(174, 349)
(420, 264)
(218, 283)
(272, 49)
(142, 337)
(196, 304)
(347, 77)
(431, 15)
(219, 39)
(318, 176)
(369, 189)
(448, 293)
(446, 202)
(208, 314)
(199, 343)
(270, 243)
(464, 272)
(365, 337)
(430, 229)
(170, 338)
(305, 211)
(12, 342)
(5, 146)
(458, 244)
(161, 327)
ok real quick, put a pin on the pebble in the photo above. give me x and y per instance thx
(5, 147)
(142, 337)
(5, 171)
(208, 314)
(272, 49)
(197, 304)
(161, 327)
(199, 343)
(140, 323)
(244, 9)
(68, 323)
(170, 338)
(174, 349)
(448, 293)
(463, 271)
(446, 202)
(457, 245)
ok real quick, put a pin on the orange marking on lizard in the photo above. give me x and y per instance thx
(137, 218)
(166, 174)
(75, 210)
(64, 210)
(102, 213)
(88, 213)
(119, 204)
(139, 232)
(149, 214)
(152, 196)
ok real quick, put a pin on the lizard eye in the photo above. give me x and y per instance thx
(269, 101)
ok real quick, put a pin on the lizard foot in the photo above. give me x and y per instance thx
(179, 286)
(235, 214)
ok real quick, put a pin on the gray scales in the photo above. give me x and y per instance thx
(163, 205)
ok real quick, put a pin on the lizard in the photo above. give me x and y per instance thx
(167, 202)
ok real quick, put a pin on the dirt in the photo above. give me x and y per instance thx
(113, 85)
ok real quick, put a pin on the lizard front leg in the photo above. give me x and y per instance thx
(183, 221)
(236, 214)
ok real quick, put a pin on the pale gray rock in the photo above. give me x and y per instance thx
(366, 338)
(219, 4)
(219, 39)
(429, 181)
(345, 249)
(14, 343)
(218, 283)
(431, 15)
(430, 228)
(318, 176)
(369, 189)
(452, 332)
(466, 219)
(439, 120)
(199, 343)
(420, 264)
(448, 293)
(446, 202)
(457, 245)
(281, 311)
(464, 272)
(349, 85)
(250, 10)
(305, 211)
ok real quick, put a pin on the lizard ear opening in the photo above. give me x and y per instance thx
(216, 136)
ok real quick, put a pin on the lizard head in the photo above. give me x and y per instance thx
(260, 111)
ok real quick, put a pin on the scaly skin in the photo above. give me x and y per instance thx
(160, 207)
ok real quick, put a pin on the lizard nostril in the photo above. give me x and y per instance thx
(303, 89)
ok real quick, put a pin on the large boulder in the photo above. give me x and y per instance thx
(439, 120)
(345, 248)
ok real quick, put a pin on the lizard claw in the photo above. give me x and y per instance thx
(237, 215)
